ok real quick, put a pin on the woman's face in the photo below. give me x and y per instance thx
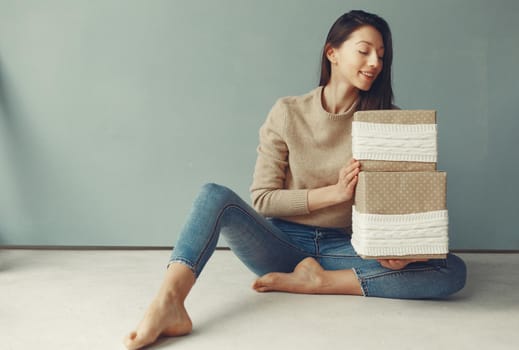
(358, 61)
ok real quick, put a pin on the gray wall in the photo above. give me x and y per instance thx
(113, 113)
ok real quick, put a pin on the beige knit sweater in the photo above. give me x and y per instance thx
(301, 147)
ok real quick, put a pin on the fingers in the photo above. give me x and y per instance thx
(398, 264)
(349, 171)
(352, 175)
(347, 180)
(392, 264)
(352, 165)
(350, 186)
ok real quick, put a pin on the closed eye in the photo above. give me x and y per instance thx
(365, 53)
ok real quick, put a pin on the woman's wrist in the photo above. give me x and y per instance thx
(323, 197)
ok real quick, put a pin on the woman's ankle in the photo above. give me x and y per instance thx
(178, 282)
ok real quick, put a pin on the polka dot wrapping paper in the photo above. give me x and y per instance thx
(400, 192)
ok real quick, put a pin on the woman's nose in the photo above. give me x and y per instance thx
(374, 61)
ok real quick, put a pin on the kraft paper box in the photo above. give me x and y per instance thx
(400, 215)
(395, 140)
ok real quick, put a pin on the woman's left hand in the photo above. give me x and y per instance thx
(398, 264)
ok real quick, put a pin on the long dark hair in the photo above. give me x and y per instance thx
(380, 95)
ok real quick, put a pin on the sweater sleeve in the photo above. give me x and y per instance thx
(268, 192)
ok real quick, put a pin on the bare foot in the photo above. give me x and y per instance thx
(306, 278)
(165, 316)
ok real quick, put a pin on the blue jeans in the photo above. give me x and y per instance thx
(273, 245)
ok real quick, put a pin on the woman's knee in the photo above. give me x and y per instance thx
(215, 191)
(461, 271)
(458, 274)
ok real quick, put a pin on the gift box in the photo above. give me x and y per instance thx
(395, 140)
(400, 215)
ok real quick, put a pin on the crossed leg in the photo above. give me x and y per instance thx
(310, 278)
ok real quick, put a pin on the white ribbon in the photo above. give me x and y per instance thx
(394, 142)
(402, 234)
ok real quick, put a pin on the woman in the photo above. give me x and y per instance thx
(298, 236)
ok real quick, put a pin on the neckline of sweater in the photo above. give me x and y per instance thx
(318, 93)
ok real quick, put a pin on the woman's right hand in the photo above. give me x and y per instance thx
(323, 197)
(348, 177)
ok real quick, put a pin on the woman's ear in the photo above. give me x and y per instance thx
(331, 54)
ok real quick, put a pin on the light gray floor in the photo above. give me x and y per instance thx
(90, 299)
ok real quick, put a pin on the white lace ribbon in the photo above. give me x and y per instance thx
(394, 142)
(405, 234)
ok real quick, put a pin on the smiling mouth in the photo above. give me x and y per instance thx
(368, 75)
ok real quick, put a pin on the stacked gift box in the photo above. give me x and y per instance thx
(400, 208)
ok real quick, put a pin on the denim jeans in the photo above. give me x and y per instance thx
(273, 245)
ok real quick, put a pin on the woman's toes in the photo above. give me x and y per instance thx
(129, 341)
(265, 283)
